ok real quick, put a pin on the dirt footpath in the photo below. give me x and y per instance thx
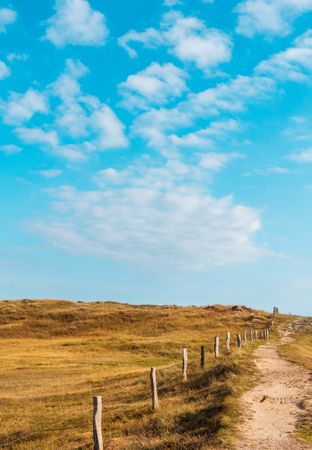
(272, 408)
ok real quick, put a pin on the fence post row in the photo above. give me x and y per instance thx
(202, 356)
(216, 346)
(154, 388)
(97, 423)
(228, 341)
(184, 364)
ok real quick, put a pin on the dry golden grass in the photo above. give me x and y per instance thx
(299, 351)
(54, 355)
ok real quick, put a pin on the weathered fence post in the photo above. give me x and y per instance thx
(97, 423)
(251, 334)
(184, 364)
(256, 334)
(245, 337)
(154, 388)
(228, 341)
(202, 356)
(216, 346)
(239, 341)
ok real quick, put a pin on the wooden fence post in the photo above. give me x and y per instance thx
(251, 334)
(97, 423)
(245, 337)
(184, 364)
(228, 341)
(202, 357)
(256, 334)
(154, 388)
(239, 341)
(216, 346)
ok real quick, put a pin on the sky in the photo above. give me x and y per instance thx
(157, 151)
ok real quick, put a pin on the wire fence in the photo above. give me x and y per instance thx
(254, 335)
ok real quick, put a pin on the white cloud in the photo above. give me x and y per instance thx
(206, 137)
(155, 85)
(71, 116)
(17, 56)
(109, 129)
(233, 96)
(50, 173)
(299, 129)
(269, 17)
(82, 116)
(10, 149)
(74, 153)
(278, 170)
(293, 64)
(187, 38)
(37, 136)
(216, 161)
(21, 107)
(78, 124)
(153, 214)
(172, 2)
(4, 70)
(76, 23)
(7, 17)
(303, 156)
(275, 170)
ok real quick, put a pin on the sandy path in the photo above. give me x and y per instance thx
(273, 406)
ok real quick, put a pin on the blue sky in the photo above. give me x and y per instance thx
(157, 152)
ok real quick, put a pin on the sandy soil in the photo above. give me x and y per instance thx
(274, 405)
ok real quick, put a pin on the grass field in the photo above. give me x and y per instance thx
(54, 355)
(298, 349)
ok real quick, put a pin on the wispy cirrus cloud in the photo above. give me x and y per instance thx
(76, 23)
(157, 215)
(187, 38)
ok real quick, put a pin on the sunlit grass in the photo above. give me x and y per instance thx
(299, 351)
(55, 355)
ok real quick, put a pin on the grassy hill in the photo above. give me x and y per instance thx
(54, 355)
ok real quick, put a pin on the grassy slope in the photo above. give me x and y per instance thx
(299, 351)
(54, 355)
